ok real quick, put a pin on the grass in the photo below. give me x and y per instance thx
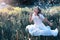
(14, 10)
(19, 18)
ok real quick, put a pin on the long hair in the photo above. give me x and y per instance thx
(39, 11)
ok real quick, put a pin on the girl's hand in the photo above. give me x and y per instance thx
(51, 24)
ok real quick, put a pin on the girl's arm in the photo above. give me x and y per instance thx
(30, 18)
(46, 20)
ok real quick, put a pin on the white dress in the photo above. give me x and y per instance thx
(38, 28)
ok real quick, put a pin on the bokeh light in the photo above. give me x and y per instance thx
(6, 1)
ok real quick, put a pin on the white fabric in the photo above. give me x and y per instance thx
(38, 28)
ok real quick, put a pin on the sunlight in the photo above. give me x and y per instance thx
(6, 1)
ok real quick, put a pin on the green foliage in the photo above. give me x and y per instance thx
(14, 23)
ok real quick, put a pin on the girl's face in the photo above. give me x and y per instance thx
(36, 11)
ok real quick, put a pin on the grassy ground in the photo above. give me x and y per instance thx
(13, 21)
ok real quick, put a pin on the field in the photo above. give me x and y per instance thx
(13, 21)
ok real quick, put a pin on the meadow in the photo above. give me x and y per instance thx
(13, 21)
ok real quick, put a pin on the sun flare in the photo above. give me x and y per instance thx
(6, 1)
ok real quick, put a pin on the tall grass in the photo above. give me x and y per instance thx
(13, 21)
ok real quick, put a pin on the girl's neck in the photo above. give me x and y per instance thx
(35, 13)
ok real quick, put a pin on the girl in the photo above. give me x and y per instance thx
(38, 28)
